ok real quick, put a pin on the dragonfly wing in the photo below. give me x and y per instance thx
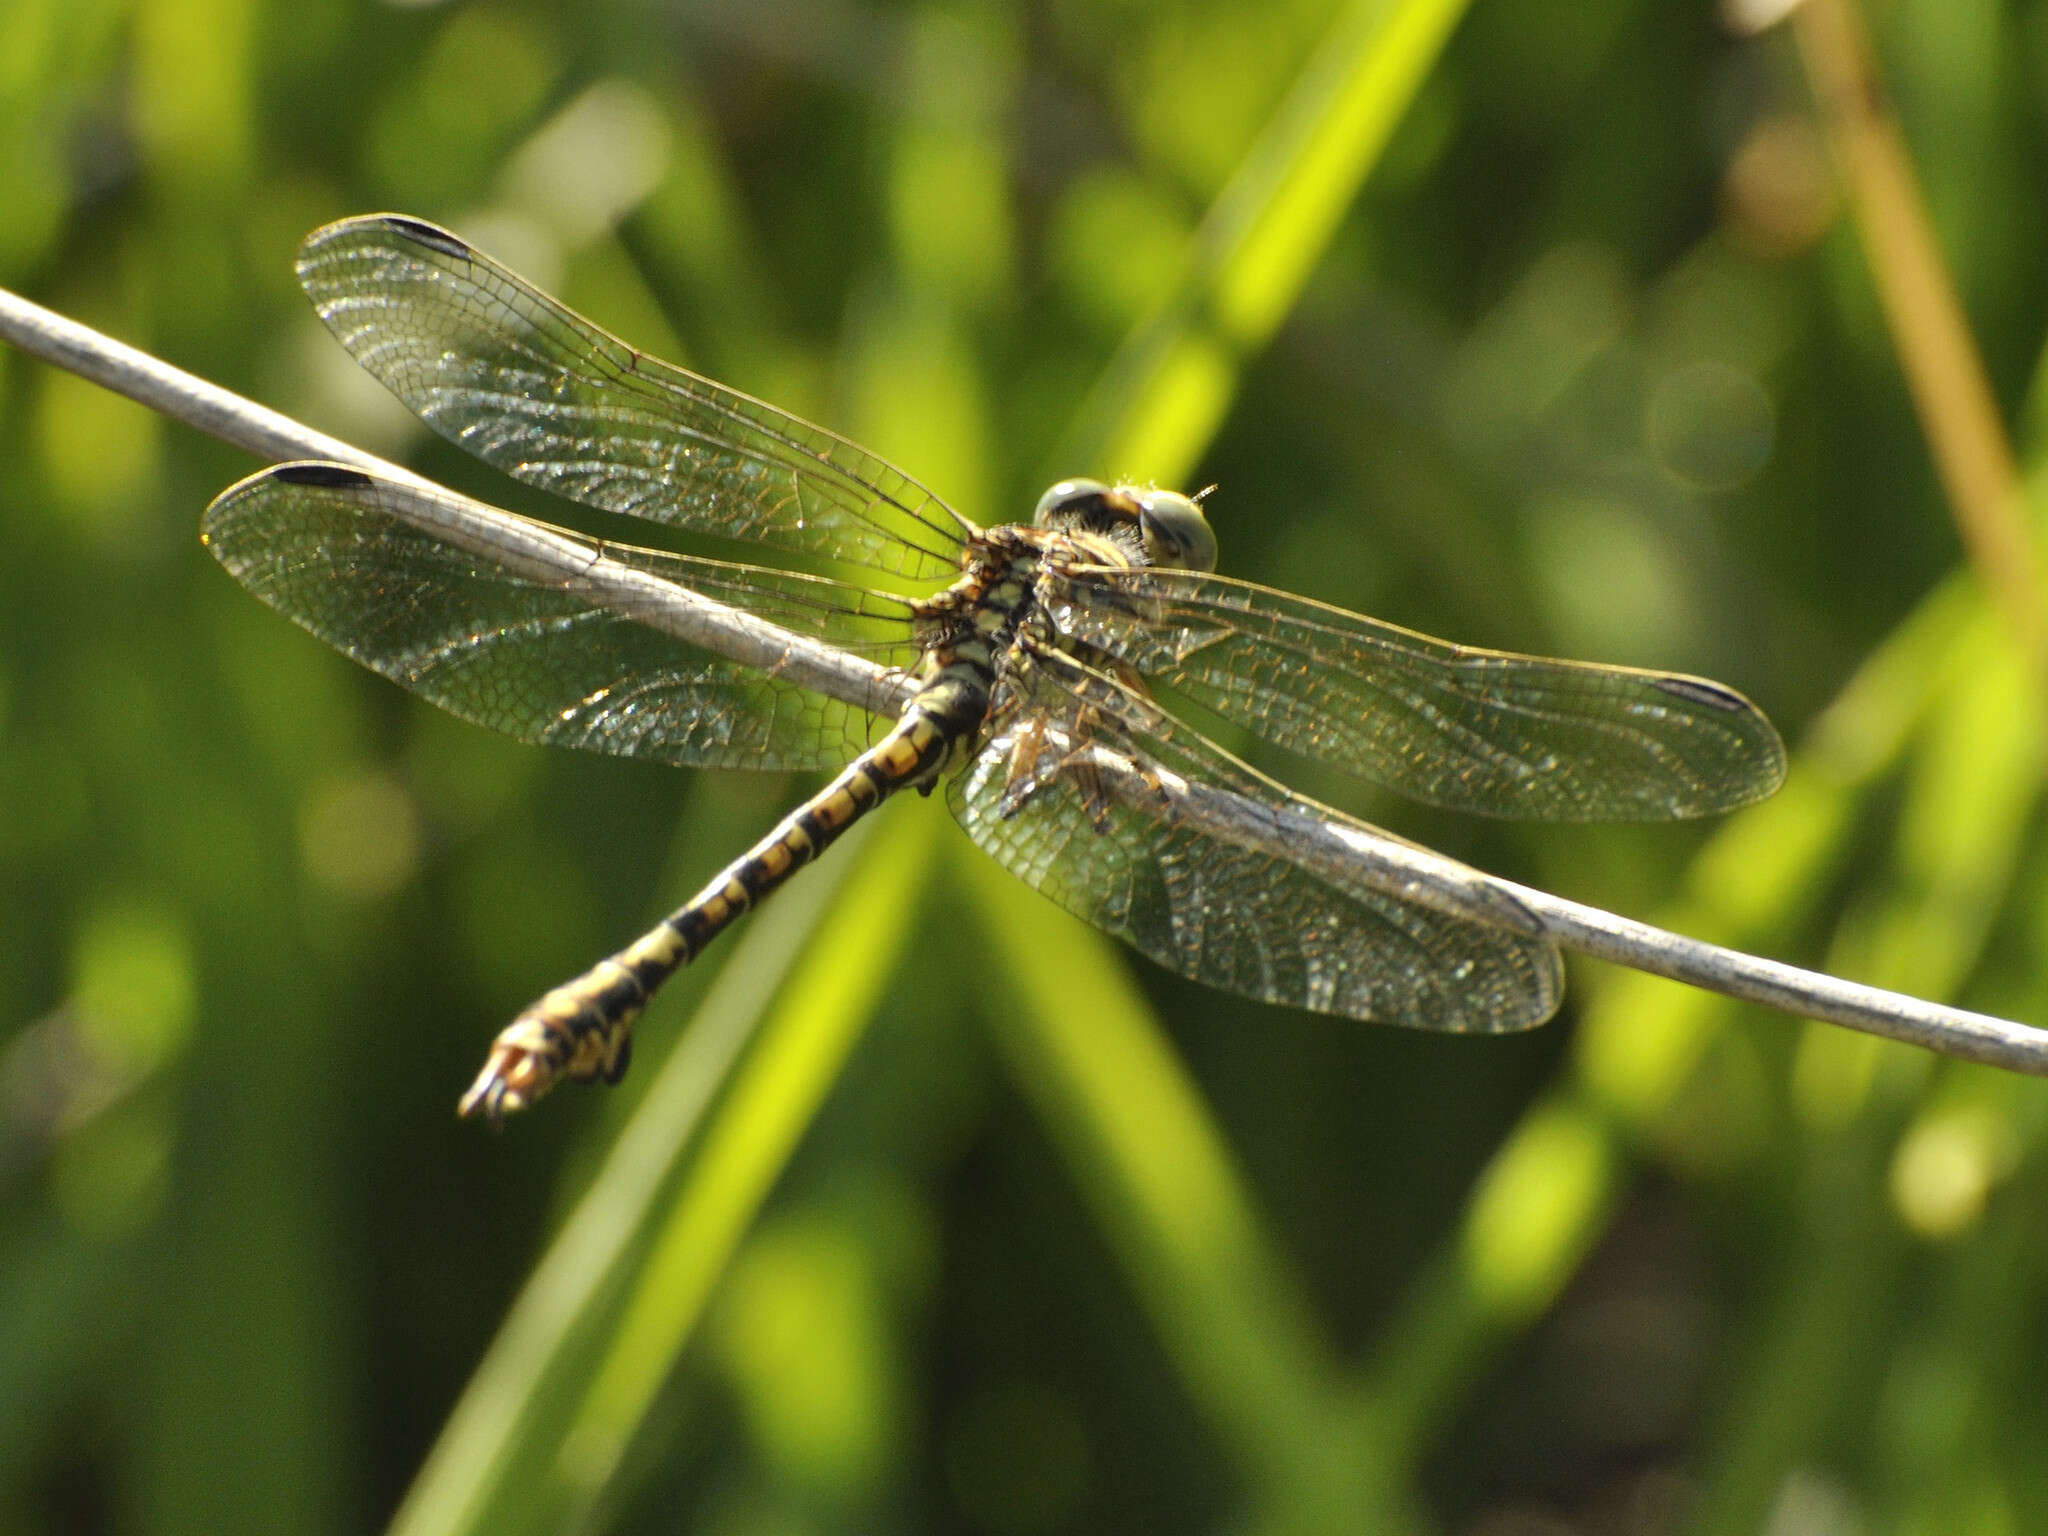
(524, 383)
(1473, 730)
(540, 661)
(1219, 910)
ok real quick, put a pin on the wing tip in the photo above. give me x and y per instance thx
(1703, 690)
(321, 473)
(433, 236)
(400, 226)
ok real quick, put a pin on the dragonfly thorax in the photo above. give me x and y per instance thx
(995, 615)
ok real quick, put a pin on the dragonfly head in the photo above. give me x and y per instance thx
(1167, 528)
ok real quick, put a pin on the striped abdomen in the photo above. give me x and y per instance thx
(582, 1030)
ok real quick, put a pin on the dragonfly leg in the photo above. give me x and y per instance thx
(1022, 778)
(1035, 766)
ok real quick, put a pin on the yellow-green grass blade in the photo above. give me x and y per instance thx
(593, 1331)
(821, 1010)
(540, 1427)
(1152, 1165)
(1155, 408)
(1132, 1124)
(1946, 699)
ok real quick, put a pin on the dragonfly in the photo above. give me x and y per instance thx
(1050, 676)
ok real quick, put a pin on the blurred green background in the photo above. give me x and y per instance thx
(924, 1209)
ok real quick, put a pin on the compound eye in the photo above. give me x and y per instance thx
(1062, 497)
(1176, 534)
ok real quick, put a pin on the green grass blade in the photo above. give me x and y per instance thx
(1152, 1163)
(1159, 402)
(1945, 686)
(821, 1009)
(540, 1426)
(1131, 1123)
(615, 1300)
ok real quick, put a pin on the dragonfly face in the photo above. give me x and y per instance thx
(1160, 528)
(1030, 675)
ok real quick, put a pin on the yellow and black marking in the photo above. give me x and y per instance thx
(582, 1030)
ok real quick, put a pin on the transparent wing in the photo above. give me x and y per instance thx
(1473, 730)
(533, 660)
(495, 365)
(1247, 919)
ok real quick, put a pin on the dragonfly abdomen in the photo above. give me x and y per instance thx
(582, 1030)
